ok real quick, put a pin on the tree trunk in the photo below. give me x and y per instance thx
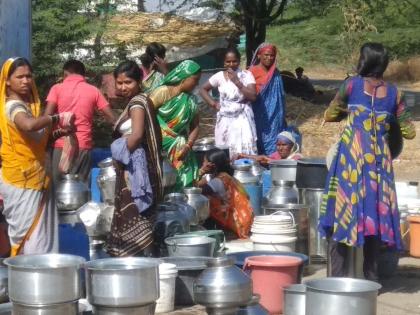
(255, 35)
(140, 6)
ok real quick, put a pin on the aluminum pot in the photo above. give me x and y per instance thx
(295, 300)
(222, 287)
(201, 146)
(71, 193)
(189, 268)
(148, 309)
(71, 308)
(243, 173)
(169, 221)
(106, 180)
(281, 194)
(283, 170)
(122, 282)
(199, 202)
(68, 217)
(34, 279)
(181, 246)
(344, 296)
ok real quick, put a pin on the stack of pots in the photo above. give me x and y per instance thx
(45, 284)
(222, 288)
(252, 183)
(276, 232)
(123, 285)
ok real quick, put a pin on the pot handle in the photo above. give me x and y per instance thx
(223, 245)
(246, 265)
(288, 212)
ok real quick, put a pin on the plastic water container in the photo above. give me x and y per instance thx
(73, 240)
(167, 277)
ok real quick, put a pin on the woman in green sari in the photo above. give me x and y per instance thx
(177, 113)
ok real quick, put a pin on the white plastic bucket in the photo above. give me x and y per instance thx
(274, 233)
(167, 277)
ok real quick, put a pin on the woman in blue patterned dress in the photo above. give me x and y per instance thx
(359, 205)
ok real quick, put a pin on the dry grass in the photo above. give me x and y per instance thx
(414, 68)
(144, 28)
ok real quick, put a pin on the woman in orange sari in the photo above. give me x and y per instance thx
(29, 206)
(230, 206)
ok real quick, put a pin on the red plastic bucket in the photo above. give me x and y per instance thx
(270, 274)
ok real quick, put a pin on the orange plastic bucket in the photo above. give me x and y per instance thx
(270, 274)
(414, 235)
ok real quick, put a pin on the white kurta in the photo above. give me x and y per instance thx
(235, 126)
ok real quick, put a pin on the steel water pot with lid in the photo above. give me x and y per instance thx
(106, 180)
(71, 193)
(181, 200)
(282, 194)
(199, 202)
(283, 171)
(222, 288)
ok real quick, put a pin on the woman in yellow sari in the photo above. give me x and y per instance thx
(25, 184)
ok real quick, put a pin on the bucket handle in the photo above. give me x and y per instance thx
(288, 212)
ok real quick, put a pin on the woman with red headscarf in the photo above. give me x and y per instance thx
(269, 111)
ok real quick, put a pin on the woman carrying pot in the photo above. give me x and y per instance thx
(137, 160)
(359, 206)
(29, 205)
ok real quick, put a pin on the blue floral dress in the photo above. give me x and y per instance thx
(359, 198)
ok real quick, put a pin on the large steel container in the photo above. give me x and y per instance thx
(295, 300)
(44, 279)
(198, 201)
(284, 193)
(181, 200)
(181, 246)
(222, 287)
(122, 282)
(148, 309)
(71, 308)
(344, 296)
(317, 245)
(71, 193)
(311, 173)
(251, 183)
(301, 217)
(106, 180)
(283, 170)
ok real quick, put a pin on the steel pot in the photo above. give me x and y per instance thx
(122, 282)
(71, 308)
(181, 200)
(34, 279)
(311, 173)
(243, 173)
(344, 296)
(295, 300)
(201, 146)
(169, 221)
(280, 195)
(222, 287)
(283, 170)
(253, 307)
(169, 174)
(96, 250)
(148, 309)
(189, 268)
(69, 217)
(106, 180)
(181, 246)
(199, 202)
(71, 193)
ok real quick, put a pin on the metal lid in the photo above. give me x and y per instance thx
(283, 163)
(312, 161)
(105, 163)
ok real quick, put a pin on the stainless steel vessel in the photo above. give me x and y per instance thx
(71, 308)
(317, 245)
(148, 309)
(295, 300)
(199, 202)
(71, 193)
(181, 200)
(300, 214)
(34, 279)
(253, 307)
(169, 221)
(344, 296)
(181, 246)
(106, 180)
(243, 173)
(4, 293)
(222, 287)
(122, 282)
(283, 170)
(283, 193)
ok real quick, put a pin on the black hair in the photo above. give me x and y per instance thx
(19, 62)
(220, 159)
(373, 60)
(152, 50)
(131, 70)
(299, 69)
(233, 50)
(74, 66)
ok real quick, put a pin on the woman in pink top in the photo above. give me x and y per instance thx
(287, 149)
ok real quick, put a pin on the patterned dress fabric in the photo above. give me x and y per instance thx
(360, 198)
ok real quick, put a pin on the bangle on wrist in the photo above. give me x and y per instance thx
(55, 119)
